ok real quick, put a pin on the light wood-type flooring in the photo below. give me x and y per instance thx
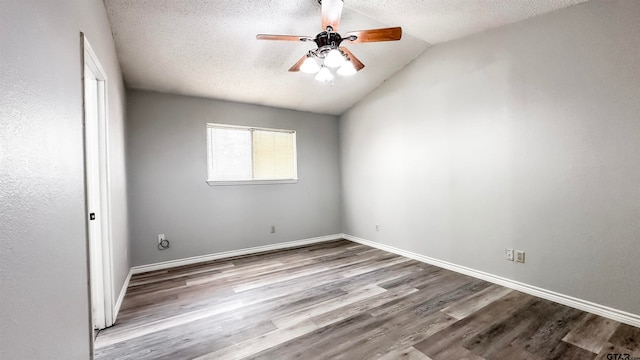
(342, 300)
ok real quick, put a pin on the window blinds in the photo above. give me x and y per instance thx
(239, 153)
(273, 155)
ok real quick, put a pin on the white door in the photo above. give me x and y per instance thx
(92, 159)
(97, 182)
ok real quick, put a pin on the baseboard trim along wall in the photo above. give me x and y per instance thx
(232, 253)
(605, 311)
(123, 291)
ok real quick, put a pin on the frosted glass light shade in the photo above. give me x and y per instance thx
(324, 74)
(309, 66)
(347, 69)
(334, 58)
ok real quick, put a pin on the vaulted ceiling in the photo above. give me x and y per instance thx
(208, 48)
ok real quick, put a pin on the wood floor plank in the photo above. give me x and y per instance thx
(150, 278)
(332, 276)
(361, 306)
(255, 345)
(500, 334)
(324, 342)
(414, 279)
(468, 306)
(456, 352)
(441, 291)
(231, 308)
(365, 339)
(397, 332)
(513, 351)
(570, 352)
(264, 281)
(592, 334)
(340, 300)
(543, 341)
(409, 353)
(609, 350)
(318, 309)
(627, 337)
(201, 337)
(472, 325)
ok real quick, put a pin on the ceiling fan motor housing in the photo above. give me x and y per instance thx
(328, 39)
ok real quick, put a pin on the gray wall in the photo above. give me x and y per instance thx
(166, 137)
(44, 308)
(526, 137)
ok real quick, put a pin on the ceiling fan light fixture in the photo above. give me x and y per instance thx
(334, 58)
(347, 69)
(310, 66)
(324, 74)
(329, 56)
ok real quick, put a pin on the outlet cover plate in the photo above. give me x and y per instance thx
(519, 256)
(508, 254)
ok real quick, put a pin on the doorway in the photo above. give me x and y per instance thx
(98, 210)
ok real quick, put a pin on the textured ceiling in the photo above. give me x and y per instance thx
(208, 48)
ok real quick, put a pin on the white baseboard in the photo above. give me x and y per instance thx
(123, 291)
(232, 253)
(605, 311)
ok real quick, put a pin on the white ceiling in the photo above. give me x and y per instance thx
(208, 48)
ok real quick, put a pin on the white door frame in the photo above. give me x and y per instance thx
(102, 267)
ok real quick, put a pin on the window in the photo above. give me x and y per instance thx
(240, 154)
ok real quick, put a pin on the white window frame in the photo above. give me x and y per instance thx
(212, 181)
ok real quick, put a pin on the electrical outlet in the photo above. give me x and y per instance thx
(508, 254)
(519, 256)
(273, 229)
(163, 243)
(377, 227)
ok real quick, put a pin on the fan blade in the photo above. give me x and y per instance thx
(296, 66)
(374, 35)
(331, 11)
(283, 37)
(354, 60)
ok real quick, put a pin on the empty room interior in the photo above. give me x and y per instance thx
(320, 179)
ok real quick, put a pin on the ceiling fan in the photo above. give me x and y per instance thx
(329, 53)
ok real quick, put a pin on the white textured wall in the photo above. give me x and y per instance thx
(44, 311)
(526, 137)
(167, 167)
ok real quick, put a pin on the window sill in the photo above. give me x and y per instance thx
(251, 182)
